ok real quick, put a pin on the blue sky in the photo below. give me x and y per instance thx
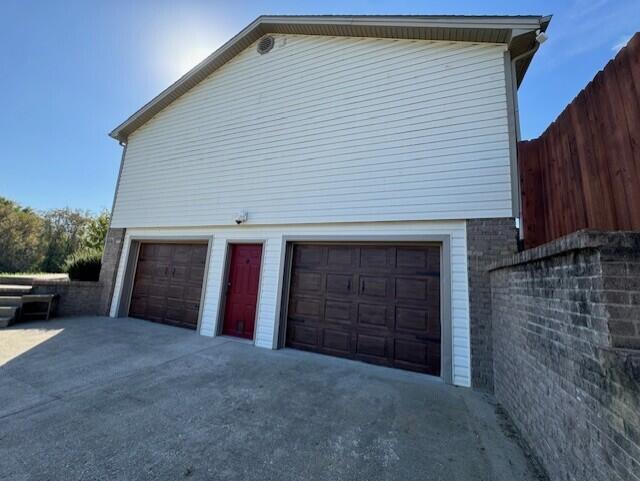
(73, 70)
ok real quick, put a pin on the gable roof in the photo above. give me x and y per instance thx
(518, 32)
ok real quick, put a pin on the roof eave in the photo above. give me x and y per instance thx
(116, 133)
(523, 42)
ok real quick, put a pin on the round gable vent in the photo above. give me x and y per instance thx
(265, 44)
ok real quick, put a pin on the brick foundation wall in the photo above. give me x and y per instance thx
(561, 315)
(488, 240)
(110, 260)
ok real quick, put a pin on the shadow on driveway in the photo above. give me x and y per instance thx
(123, 399)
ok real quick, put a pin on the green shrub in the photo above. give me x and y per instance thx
(84, 265)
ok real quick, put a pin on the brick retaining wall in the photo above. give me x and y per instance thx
(77, 298)
(563, 314)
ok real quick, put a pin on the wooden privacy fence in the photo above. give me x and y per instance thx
(584, 170)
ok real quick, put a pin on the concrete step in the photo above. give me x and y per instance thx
(16, 280)
(10, 300)
(5, 321)
(29, 279)
(8, 311)
(14, 289)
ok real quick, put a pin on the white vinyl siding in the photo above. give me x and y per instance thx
(328, 129)
(272, 271)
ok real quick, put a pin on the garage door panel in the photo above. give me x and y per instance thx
(146, 269)
(190, 316)
(338, 311)
(417, 355)
(168, 283)
(376, 303)
(412, 258)
(371, 286)
(174, 308)
(181, 315)
(375, 257)
(309, 256)
(411, 318)
(192, 293)
(412, 289)
(433, 262)
(303, 335)
(156, 308)
(179, 273)
(198, 255)
(195, 274)
(182, 254)
(306, 309)
(142, 286)
(337, 341)
(159, 252)
(341, 258)
(307, 282)
(373, 346)
(159, 271)
(340, 284)
(373, 315)
(421, 321)
(433, 355)
(175, 290)
(411, 351)
(189, 255)
(158, 290)
(138, 306)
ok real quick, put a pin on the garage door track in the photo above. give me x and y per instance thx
(124, 399)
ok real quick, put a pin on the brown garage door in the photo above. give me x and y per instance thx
(168, 283)
(374, 303)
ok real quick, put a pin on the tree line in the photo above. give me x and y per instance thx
(33, 241)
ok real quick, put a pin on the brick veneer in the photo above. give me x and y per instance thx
(110, 260)
(77, 298)
(562, 314)
(488, 240)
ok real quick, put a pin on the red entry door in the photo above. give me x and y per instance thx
(242, 290)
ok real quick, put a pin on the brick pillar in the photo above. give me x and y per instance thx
(620, 267)
(488, 240)
(110, 260)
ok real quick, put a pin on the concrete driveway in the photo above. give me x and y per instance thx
(124, 399)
